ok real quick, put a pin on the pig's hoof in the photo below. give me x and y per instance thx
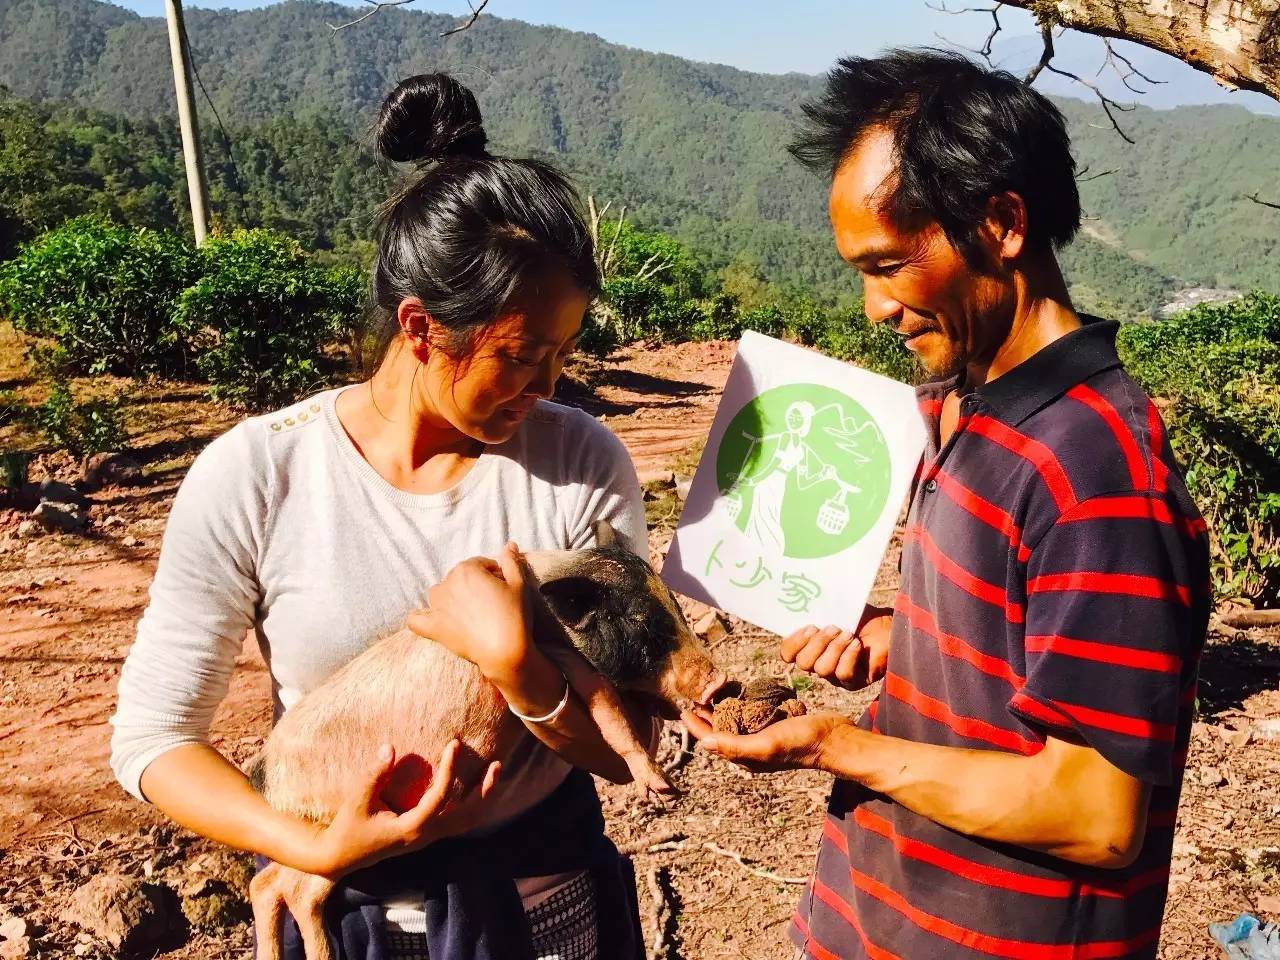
(648, 778)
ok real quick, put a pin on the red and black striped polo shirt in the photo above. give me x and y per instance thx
(1055, 577)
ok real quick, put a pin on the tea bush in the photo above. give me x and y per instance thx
(101, 296)
(1214, 372)
(260, 316)
(91, 426)
(851, 336)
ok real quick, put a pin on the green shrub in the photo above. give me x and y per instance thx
(644, 309)
(851, 336)
(349, 285)
(719, 318)
(260, 315)
(769, 320)
(1214, 372)
(626, 251)
(599, 332)
(92, 426)
(101, 295)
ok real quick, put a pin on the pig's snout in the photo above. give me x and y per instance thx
(691, 676)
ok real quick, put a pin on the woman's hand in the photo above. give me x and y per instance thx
(481, 612)
(851, 659)
(799, 743)
(366, 830)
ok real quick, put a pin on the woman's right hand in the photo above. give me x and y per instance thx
(366, 830)
(481, 612)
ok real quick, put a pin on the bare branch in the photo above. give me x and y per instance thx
(1084, 176)
(475, 15)
(1265, 203)
(1046, 54)
(377, 5)
(1108, 104)
(655, 265)
(606, 262)
(661, 912)
(943, 8)
(988, 45)
(1114, 59)
(741, 861)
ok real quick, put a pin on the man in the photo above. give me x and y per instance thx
(1012, 790)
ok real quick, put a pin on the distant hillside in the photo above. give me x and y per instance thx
(696, 149)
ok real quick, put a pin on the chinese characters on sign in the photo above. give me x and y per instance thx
(795, 498)
(795, 589)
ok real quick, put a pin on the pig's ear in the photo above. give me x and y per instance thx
(606, 536)
(574, 600)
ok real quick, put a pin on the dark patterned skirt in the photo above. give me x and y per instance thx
(563, 925)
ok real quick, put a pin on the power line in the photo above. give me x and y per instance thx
(226, 139)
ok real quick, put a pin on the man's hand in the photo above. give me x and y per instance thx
(851, 659)
(795, 744)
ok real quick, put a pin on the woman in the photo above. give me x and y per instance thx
(322, 526)
(768, 485)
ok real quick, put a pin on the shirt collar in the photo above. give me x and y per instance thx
(1044, 376)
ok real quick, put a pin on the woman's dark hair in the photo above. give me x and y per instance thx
(962, 134)
(471, 228)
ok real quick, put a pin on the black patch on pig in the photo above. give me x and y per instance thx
(614, 617)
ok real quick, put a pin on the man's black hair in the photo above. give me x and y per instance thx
(962, 134)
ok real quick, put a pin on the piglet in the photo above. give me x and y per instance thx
(602, 615)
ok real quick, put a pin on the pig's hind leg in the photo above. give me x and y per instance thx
(275, 888)
(605, 707)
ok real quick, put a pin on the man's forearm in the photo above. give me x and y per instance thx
(1065, 800)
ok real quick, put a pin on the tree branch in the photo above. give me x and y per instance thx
(1084, 176)
(1107, 103)
(475, 15)
(377, 5)
(1046, 54)
(1233, 42)
(988, 45)
(1133, 71)
(1265, 203)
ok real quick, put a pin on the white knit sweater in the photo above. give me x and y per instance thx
(282, 527)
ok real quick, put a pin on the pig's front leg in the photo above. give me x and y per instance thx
(606, 709)
(276, 887)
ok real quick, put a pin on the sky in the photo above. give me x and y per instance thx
(780, 37)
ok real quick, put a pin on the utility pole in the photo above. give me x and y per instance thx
(187, 121)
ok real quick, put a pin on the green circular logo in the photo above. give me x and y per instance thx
(803, 470)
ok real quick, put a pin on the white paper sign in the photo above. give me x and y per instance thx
(795, 498)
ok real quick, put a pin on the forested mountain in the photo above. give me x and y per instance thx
(695, 149)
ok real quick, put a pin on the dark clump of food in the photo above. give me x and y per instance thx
(751, 708)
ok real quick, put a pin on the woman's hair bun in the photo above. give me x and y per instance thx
(430, 117)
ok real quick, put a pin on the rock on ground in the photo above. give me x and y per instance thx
(127, 914)
(110, 470)
(66, 517)
(58, 492)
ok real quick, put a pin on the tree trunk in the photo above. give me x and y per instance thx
(1235, 41)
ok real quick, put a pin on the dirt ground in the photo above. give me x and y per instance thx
(727, 859)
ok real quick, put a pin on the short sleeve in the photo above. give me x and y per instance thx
(202, 602)
(602, 485)
(1116, 609)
